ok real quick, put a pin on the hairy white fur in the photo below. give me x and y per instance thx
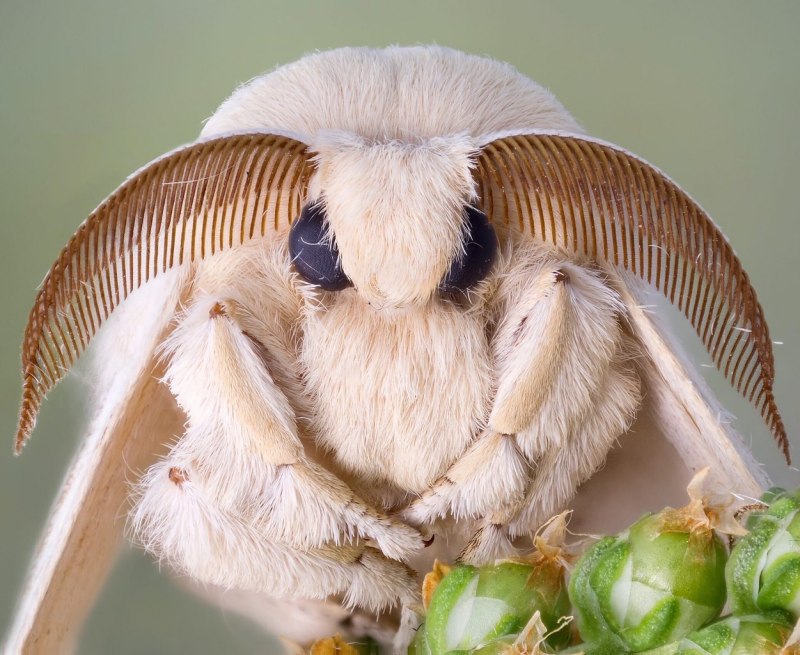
(395, 93)
(325, 433)
(559, 330)
(398, 233)
(238, 479)
(424, 373)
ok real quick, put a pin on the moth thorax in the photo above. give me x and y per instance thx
(395, 209)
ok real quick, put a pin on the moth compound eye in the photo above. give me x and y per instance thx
(313, 252)
(480, 248)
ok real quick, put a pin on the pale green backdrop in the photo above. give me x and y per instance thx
(92, 89)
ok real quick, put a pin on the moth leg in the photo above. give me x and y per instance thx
(490, 475)
(543, 373)
(237, 502)
(564, 393)
(176, 520)
(567, 389)
(559, 471)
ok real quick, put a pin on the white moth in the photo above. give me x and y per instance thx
(389, 295)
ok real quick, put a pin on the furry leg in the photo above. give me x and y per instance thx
(567, 390)
(175, 520)
(559, 471)
(564, 394)
(237, 503)
(492, 474)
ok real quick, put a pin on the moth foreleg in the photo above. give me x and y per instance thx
(240, 472)
(560, 330)
(177, 521)
(567, 389)
(546, 366)
(491, 474)
(564, 392)
(559, 471)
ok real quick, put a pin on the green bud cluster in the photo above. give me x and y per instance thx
(657, 588)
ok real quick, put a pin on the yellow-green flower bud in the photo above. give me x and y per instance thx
(420, 644)
(763, 573)
(472, 606)
(652, 584)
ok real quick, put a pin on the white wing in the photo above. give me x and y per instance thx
(136, 416)
(681, 428)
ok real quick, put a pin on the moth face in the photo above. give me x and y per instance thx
(396, 211)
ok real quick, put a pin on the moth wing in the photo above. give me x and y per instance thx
(687, 411)
(136, 415)
(138, 246)
(680, 429)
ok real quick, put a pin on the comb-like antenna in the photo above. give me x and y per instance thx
(593, 198)
(182, 207)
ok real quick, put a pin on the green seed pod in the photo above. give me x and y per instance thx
(654, 583)
(763, 572)
(733, 635)
(509, 646)
(772, 494)
(474, 606)
(506, 646)
(758, 509)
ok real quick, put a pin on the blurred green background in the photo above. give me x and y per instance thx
(90, 90)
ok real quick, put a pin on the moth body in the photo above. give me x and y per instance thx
(468, 355)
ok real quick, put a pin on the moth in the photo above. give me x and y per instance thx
(392, 304)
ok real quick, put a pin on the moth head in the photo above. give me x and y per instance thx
(396, 211)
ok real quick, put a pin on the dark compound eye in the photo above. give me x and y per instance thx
(480, 250)
(313, 253)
